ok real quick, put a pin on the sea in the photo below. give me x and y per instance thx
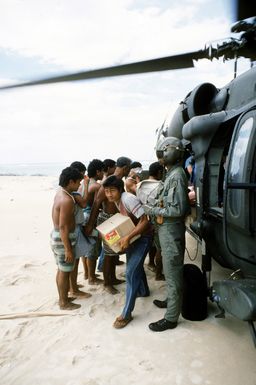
(43, 169)
(31, 169)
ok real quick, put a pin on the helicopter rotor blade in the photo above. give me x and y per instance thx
(161, 64)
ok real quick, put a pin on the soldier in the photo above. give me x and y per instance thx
(170, 209)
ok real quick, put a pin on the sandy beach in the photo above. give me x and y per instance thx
(42, 345)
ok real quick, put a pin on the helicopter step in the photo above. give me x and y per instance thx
(237, 297)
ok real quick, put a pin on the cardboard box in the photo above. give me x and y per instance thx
(114, 228)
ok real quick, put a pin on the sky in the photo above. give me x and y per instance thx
(104, 118)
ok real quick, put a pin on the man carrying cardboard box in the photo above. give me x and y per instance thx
(136, 281)
(108, 210)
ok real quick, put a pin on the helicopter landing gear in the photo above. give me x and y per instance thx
(237, 297)
(253, 331)
(222, 312)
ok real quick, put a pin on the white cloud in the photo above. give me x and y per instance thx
(111, 117)
(81, 34)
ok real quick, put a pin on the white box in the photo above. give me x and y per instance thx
(115, 228)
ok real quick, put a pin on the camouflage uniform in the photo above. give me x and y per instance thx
(172, 205)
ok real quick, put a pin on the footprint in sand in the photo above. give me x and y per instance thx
(19, 330)
(103, 306)
(17, 280)
(27, 265)
(93, 310)
(146, 365)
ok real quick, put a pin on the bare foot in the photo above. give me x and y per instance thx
(71, 299)
(121, 322)
(70, 306)
(95, 281)
(119, 263)
(111, 289)
(151, 268)
(118, 281)
(86, 276)
(160, 277)
(81, 294)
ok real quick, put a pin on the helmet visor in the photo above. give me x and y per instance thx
(160, 154)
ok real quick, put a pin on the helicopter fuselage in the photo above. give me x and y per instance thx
(219, 126)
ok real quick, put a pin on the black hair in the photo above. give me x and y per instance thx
(68, 174)
(94, 166)
(108, 163)
(79, 166)
(114, 181)
(123, 161)
(155, 168)
(135, 164)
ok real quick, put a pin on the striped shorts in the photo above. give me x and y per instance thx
(58, 250)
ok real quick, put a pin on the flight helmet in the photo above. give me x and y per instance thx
(170, 149)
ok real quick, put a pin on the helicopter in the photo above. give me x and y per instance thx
(218, 126)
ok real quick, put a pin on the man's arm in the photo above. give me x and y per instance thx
(98, 199)
(130, 185)
(82, 196)
(66, 222)
(138, 229)
(174, 205)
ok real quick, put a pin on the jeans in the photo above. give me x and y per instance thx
(136, 280)
(101, 260)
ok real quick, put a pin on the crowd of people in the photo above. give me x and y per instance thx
(157, 204)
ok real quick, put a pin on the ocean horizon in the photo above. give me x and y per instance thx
(44, 169)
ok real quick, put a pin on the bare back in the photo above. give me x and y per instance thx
(63, 212)
(92, 192)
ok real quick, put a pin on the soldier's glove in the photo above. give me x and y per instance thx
(147, 209)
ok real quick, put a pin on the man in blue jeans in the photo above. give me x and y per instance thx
(136, 281)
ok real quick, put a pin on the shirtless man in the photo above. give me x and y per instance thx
(133, 177)
(63, 236)
(108, 209)
(109, 169)
(95, 174)
(81, 198)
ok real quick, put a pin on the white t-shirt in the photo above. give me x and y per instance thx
(132, 204)
(147, 190)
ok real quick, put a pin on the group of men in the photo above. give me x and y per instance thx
(98, 201)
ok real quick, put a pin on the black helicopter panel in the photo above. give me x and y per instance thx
(226, 215)
(240, 194)
(225, 206)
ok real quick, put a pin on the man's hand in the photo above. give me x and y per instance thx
(124, 243)
(88, 229)
(69, 256)
(192, 196)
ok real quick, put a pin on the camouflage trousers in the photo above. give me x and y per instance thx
(172, 241)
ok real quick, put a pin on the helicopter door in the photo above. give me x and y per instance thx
(240, 190)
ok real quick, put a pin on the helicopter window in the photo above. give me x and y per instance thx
(236, 171)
